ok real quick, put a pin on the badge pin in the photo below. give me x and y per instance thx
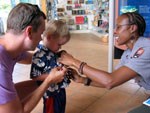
(138, 53)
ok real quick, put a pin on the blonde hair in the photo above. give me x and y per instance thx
(57, 29)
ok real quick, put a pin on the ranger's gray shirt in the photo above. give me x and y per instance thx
(138, 59)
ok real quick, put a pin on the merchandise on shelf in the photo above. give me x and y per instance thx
(78, 10)
(101, 15)
(84, 14)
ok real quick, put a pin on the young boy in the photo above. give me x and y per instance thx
(55, 35)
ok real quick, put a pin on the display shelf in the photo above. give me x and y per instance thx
(75, 13)
(84, 14)
(101, 18)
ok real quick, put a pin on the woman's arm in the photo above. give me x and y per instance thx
(99, 77)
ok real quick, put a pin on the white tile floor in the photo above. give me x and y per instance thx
(82, 99)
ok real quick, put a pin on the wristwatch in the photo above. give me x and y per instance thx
(87, 81)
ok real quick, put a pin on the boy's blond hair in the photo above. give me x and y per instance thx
(57, 29)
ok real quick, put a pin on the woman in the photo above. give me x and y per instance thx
(134, 63)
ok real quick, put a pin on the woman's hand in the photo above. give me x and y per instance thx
(66, 59)
(73, 74)
(69, 61)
